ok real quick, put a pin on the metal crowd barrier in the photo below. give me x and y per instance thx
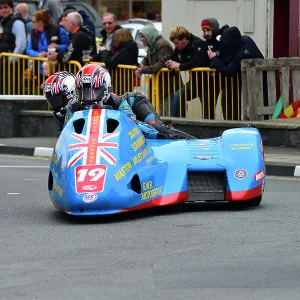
(200, 93)
(25, 75)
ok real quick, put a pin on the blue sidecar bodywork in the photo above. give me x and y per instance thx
(102, 164)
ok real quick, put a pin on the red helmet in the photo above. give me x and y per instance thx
(59, 89)
(93, 83)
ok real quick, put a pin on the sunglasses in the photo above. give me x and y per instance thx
(109, 23)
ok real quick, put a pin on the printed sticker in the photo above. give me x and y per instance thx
(240, 174)
(259, 176)
(90, 176)
(203, 157)
(89, 198)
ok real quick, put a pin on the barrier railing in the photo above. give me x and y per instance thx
(25, 75)
(197, 93)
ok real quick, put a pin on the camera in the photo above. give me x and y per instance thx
(167, 57)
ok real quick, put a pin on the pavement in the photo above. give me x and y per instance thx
(279, 161)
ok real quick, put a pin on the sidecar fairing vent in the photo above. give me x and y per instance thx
(50, 181)
(112, 125)
(135, 184)
(78, 125)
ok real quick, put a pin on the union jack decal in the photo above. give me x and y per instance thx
(92, 146)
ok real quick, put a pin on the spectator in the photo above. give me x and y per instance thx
(158, 50)
(212, 33)
(87, 22)
(124, 52)
(23, 10)
(190, 52)
(81, 39)
(233, 48)
(110, 24)
(54, 7)
(13, 40)
(14, 34)
(62, 21)
(45, 34)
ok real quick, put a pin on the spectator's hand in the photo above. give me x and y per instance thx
(52, 56)
(101, 48)
(138, 72)
(210, 53)
(172, 64)
(53, 45)
(42, 54)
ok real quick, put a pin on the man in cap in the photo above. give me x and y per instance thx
(212, 32)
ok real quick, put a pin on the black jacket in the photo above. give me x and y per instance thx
(8, 41)
(234, 48)
(81, 40)
(193, 55)
(104, 35)
(125, 54)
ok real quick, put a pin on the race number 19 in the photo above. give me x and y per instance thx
(90, 178)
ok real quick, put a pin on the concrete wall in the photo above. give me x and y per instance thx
(250, 16)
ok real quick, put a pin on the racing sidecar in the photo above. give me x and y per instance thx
(102, 164)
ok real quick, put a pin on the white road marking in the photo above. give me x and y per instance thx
(28, 179)
(297, 171)
(25, 157)
(12, 193)
(26, 167)
(2, 144)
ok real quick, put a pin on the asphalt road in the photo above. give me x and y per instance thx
(197, 251)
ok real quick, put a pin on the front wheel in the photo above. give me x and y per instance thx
(250, 203)
(254, 202)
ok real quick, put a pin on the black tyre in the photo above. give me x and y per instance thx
(254, 202)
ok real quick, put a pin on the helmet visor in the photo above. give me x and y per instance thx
(56, 102)
(89, 95)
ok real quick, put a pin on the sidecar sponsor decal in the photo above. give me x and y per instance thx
(89, 187)
(90, 178)
(91, 147)
(89, 198)
(203, 157)
(133, 133)
(259, 176)
(240, 174)
(150, 192)
(141, 155)
(138, 143)
(54, 158)
(123, 171)
(58, 189)
(237, 147)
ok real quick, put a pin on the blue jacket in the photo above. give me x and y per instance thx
(42, 44)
